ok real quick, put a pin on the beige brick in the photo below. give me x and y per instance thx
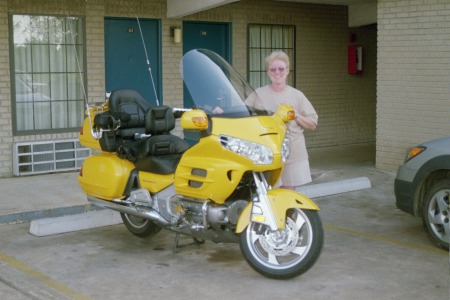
(413, 103)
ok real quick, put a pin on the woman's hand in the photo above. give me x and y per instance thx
(217, 110)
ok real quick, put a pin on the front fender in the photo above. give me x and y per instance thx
(280, 201)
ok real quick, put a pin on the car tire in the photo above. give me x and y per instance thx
(435, 213)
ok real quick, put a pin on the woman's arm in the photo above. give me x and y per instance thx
(305, 122)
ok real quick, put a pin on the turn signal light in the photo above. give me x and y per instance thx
(291, 115)
(195, 119)
(414, 152)
(200, 122)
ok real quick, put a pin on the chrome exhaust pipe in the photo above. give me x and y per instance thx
(148, 214)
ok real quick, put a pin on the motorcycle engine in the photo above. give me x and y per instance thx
(209, 213)
(235, 209)
(197, 213)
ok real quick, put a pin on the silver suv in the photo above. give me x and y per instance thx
(422, 188)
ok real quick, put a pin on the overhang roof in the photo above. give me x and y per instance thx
(361, 12)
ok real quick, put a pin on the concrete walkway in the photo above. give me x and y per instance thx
(25, 199)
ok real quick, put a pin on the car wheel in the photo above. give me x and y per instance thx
(436, 213)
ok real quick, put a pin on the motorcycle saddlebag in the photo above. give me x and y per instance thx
(105, 175)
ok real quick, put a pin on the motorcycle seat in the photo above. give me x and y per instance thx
(161, 151)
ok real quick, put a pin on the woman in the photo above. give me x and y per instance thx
(296, 171)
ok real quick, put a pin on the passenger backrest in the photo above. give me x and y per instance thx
(128, 106)
(133, 104)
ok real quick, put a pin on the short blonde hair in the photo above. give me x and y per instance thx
(277, 55)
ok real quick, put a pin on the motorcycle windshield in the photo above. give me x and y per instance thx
(214, 86)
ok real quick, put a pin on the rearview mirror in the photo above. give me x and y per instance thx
(285, 112)
(194, 120)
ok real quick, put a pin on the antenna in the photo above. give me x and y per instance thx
(148, 61)
(94, 133)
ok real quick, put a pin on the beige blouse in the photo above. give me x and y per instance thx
(265, 98)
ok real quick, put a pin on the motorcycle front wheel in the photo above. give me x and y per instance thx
(139, 226)
(284, 253)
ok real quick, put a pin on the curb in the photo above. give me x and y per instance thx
(28, 216)
(82, 217)
(65, 224)
(335, 187)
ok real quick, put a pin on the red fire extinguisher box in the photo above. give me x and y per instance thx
(355, 59)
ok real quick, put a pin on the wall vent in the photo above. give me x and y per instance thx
(30, 158)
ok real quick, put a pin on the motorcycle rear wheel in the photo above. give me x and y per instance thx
(284, 253)
(139, 226)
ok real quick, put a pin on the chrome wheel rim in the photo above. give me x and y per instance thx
(438, 215)
(281, 249)
(137, 222)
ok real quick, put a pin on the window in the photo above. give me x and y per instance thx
(47, 73)
(263, 39)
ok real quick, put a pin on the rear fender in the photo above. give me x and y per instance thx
(280, 201)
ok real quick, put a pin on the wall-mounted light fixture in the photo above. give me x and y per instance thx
(175, 33)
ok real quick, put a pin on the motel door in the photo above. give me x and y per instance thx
(206, 35)
(126, 59)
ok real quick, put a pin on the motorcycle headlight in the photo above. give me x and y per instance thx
(285, 148)
(259, 154)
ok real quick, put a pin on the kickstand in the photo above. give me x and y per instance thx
(177, 245)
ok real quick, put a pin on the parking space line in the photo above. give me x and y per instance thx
(387, 240)
(58, 286)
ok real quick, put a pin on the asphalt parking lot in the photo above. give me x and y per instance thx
(372, 251)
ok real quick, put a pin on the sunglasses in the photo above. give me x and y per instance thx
(280, 69)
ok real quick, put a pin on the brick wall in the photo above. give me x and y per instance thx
(95, 53)
(413, 86)
(345, 103)
(5, 103)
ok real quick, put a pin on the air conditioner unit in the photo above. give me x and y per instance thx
(38, 157)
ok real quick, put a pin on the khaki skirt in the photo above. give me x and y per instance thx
(296, 173)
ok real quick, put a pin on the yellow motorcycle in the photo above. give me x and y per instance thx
(219, 186)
